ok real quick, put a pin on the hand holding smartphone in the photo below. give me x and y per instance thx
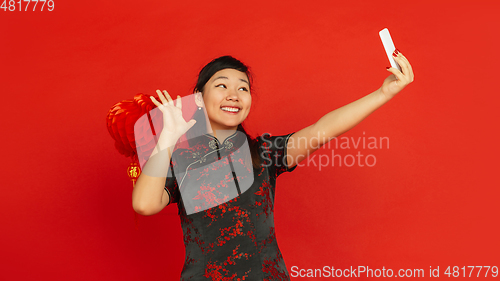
(389, 47)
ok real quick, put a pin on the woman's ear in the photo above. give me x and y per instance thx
(198, 99)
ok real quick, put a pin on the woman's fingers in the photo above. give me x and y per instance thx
(397, 73)
(405, 66)
(191, 123)
(164, 101)
(179, 102)
(410, 73)
(170, 101)
(155, 101)
(394, 83)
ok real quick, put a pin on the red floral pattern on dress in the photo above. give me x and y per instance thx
(234, 240)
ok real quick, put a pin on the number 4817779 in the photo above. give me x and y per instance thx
(456, 271)
(12, 5)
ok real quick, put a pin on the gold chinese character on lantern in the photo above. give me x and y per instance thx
(134, 171)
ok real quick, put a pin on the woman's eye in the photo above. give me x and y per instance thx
(224, 87)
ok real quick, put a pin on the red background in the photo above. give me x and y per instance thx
(431, 199)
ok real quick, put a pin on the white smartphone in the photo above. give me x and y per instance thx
(389, 47)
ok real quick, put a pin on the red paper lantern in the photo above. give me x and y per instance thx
(121, 120)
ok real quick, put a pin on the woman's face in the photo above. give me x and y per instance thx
(227, 99)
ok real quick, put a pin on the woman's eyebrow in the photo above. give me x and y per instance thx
(224, 77)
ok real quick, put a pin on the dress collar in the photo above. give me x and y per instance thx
(215, 138)
(237, 138)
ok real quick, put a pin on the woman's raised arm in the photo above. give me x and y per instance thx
(333, 124)
(149, 197)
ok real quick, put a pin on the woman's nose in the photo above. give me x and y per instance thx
(232, 95)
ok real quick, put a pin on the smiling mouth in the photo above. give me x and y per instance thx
(230, 109)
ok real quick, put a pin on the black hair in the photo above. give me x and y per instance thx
(218, 64)
(205, 74)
